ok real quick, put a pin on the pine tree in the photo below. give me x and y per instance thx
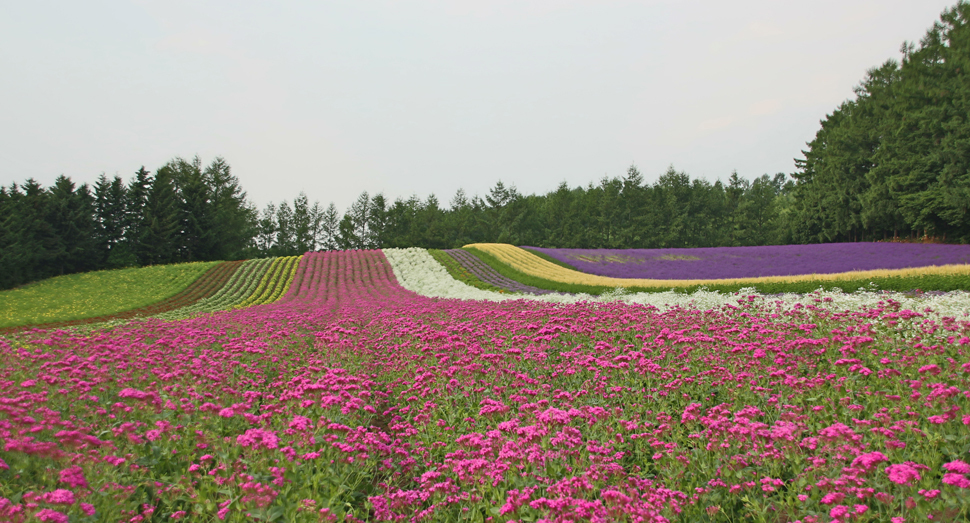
(329, 229)
(160, 221)
(110, 202)
(234, 219)
(135, 203)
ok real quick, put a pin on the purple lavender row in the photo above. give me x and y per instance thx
(482, 271)
(747, 262)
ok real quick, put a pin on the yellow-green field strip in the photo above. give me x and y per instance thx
(256, 282)
(94, 294)
(274, 283)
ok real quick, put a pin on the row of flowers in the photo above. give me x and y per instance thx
(535, 266)
(418, 271)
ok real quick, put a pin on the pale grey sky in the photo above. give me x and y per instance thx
(426, 96)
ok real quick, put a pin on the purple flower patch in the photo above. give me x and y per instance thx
(752, 262)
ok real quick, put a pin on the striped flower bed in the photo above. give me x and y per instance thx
(489, 275)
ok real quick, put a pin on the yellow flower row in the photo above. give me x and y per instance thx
(528, 263)
(271, 288)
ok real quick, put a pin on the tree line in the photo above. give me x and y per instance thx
(894, 162)
(186, 212)
(183, 212)
(676, 211)
(896, 159)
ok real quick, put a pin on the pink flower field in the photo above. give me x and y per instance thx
(353, 399)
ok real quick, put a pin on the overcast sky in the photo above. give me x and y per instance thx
(426, 96)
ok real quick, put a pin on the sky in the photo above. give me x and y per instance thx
(425, 97)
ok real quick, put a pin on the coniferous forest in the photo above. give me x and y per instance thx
(892, 163)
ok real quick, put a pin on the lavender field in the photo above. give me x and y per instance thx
(750, 262)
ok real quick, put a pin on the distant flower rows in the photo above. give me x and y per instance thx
(754, 262)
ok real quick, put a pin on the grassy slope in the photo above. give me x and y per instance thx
(902, 284)
(92, 294)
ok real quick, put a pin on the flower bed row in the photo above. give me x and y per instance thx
(486, 273)
(527, 268)
(752, 262)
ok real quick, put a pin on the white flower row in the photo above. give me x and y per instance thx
(417, 271)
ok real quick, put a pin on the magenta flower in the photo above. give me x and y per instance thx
(957, 480)
(52, 516)
(869, 460)
(257, 438)
(902, 474)
(59, 497)
(959, 467)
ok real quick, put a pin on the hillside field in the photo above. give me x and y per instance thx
(408, 385)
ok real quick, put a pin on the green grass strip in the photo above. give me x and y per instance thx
(892, 283)
(460, 273)
(99, 293)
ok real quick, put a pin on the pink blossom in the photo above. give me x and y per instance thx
(957, 480)
(258, 438)
(832, 498)
(902, 474)
(51, 515)
(869, 460)
(959, 467)
(59, 497)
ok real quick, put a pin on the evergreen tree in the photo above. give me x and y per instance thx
(285, 244)
(110, 208)
(159, 226)
(234, 220)
(329, 229)
(303, 238)
(377, 215)
(266, 230)
(135, 203)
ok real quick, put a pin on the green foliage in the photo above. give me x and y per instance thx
(93, 294)
(183, 213)
(896, 160)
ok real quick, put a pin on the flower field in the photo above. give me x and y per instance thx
(486, 273)
(527, 267)
(240, 286)
(372, 386)
(752, 262)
